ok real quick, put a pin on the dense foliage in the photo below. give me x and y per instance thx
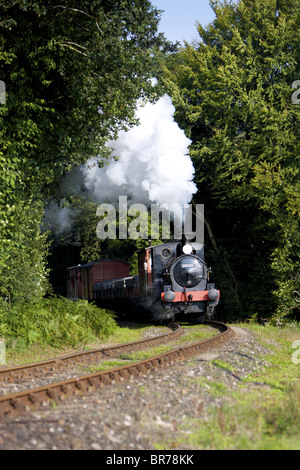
(56, 321)
(233, 96)
(73, 71)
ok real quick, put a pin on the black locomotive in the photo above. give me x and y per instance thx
(173, 282)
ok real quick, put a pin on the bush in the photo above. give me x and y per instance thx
(55, 321)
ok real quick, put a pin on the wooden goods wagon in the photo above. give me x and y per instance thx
(100, 271)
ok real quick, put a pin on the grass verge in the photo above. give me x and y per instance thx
(263, 410)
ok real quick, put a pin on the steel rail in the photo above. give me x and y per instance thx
(22, 402)
(11, 374)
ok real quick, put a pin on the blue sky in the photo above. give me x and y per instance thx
(178, 20)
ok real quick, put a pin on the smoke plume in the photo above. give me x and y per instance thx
(152, 165)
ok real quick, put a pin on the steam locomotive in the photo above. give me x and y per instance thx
(172, 282)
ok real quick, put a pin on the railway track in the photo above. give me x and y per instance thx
(28, 370)
(22, 402)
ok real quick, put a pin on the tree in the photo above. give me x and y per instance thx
(73, 75)
(232, 92)
(73, 72)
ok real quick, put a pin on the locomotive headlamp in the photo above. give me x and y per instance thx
(187, 249)
(213, 294)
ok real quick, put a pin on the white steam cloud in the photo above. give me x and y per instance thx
(153, 165)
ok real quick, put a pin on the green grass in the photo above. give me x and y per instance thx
(261, 413)
(192, 334)
(259, 422)
(136, 356)
(103, 366)
(222, 365)
(68, 335)
(126, 334)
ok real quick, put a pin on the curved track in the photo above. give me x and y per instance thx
(11, 374)
(22, 402)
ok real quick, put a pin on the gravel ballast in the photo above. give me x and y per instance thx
(142, 413)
